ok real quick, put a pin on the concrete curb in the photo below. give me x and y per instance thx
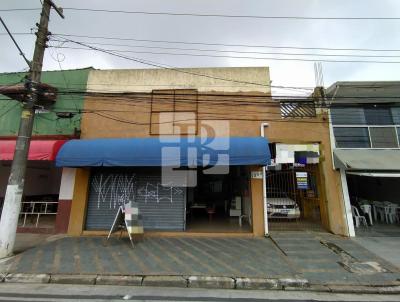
(73, 279)
(214, 282)
(165, 281)
(258, 283)
(119, 280)
(211, 282)
(27, 278)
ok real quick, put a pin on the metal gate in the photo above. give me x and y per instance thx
(162, 208)
(293, 199)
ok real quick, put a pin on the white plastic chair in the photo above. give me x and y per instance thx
(358, 218)
(379, 210)
(366, 208)
(390, 212)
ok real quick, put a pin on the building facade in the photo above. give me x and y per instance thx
(365, 134)
(190, 147)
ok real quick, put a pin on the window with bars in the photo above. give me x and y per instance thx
(298, 109)
(174, 112)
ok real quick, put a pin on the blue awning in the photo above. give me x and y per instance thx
(164, 151)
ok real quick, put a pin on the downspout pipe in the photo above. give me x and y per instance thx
(266, 230)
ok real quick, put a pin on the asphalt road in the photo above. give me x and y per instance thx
(59, 292)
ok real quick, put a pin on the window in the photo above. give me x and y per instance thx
(396, 115)
(348, 116)
(174, 112)
(299, 109)
(383, 137)
(378, 116)
(352, 137)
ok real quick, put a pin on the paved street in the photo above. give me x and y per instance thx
(59, 292)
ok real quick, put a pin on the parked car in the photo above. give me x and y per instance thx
(281, 206)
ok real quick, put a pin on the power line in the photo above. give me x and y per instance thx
(212, 44)
(229, 45)
(165, 66)
(16, 44)
(187, 14)
(235, 51)
(236, 57)
(17, 34)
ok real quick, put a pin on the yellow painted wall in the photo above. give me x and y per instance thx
(79, 202)
(257, 200)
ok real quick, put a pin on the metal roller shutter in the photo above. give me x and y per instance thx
(162, 208)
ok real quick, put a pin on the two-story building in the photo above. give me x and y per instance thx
(191, 147)
(365, 133)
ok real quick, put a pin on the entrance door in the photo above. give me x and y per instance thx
(161, 207)
(293, 199)
(220, 203)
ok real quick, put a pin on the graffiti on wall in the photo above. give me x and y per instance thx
(119, 189)
(157, 192)
(115, 189)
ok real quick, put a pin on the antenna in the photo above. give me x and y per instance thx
(318, 74)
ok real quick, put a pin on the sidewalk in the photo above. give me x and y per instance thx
(286, 260)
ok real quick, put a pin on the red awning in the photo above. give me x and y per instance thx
(39, 149)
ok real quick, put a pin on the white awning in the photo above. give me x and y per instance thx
(367, 159)
(372, 174)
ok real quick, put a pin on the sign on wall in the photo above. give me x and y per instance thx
(302, 181)
(300, 153)
(257, 174)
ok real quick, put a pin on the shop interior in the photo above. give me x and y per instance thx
(40, 198)
(220, 202)
(375, 203)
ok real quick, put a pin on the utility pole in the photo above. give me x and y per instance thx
(15, 186)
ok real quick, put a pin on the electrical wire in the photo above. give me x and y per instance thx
(233, 51)
(168, 67)
(221, 44)
(165, 66)
(15, 43)
(235, 57)
(213, 44)
(187, 14)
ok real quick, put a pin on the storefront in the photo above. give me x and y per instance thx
(40, 203)
(180, 184)
(371, 179)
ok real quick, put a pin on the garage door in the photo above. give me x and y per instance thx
(162, 207)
